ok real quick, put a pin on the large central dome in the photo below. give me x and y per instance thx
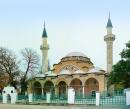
(72, 62)
(76, 54)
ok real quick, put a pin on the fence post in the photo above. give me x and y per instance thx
(13, 98)
(30, 97)
(97, 98)
(71, 96)
(128, 98)
(4, 97)
(48, 97)
(83, 91)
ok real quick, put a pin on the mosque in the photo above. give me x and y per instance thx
(74, 70)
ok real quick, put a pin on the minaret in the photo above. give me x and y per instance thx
(109, 38)
(44, 48)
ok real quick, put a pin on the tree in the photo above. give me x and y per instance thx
(121, 70)
(8, 64)
(31, 64)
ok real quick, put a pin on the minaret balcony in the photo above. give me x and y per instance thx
(109, 37)
(44, 47)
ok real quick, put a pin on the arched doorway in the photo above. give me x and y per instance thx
(62, 86)
(49, 87)
(37, 89)
(91, 86)
(77, 85)
(8, 98)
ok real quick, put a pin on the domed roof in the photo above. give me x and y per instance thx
(50, 73)
(95, 70)
(76, 54)
(39, 75)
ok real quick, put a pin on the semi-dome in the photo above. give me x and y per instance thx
(76, 54)
(79, 72)
(65, 72)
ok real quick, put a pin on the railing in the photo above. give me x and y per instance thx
(106, 98)
(53, 99)
(22, 98)
(39, 99)
(59, 99)
(0, 98)
(113, 98)
(86, 99)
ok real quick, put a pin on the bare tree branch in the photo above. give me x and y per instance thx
(8, 63)
(31, 61)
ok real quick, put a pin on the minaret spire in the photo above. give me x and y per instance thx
(109, 23)
(44, 31)
(109, 38)
(44, 48)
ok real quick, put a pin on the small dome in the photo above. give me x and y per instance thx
(50, 73)
(79, 72)
(65, 72)
(95, 70)
(40, 75)
(76, 54)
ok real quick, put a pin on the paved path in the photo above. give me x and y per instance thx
(11, 106)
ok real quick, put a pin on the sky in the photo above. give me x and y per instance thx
(72, 25)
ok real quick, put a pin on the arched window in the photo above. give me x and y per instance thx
(77, 85)
(91, 86)
(37, 89)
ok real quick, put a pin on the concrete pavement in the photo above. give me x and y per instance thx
(12, 106)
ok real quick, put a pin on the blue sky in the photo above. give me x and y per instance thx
(72, 25)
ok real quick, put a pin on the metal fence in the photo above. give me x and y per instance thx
(39, 99)
(0, 98)
(113, 98)
(53, 99)
(63, 99)
(87, 99)
(59, 99)
(22, 98)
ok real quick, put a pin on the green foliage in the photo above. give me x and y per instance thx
(120, 75)
(125, 54)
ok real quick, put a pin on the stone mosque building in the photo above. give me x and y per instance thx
(74, 70)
